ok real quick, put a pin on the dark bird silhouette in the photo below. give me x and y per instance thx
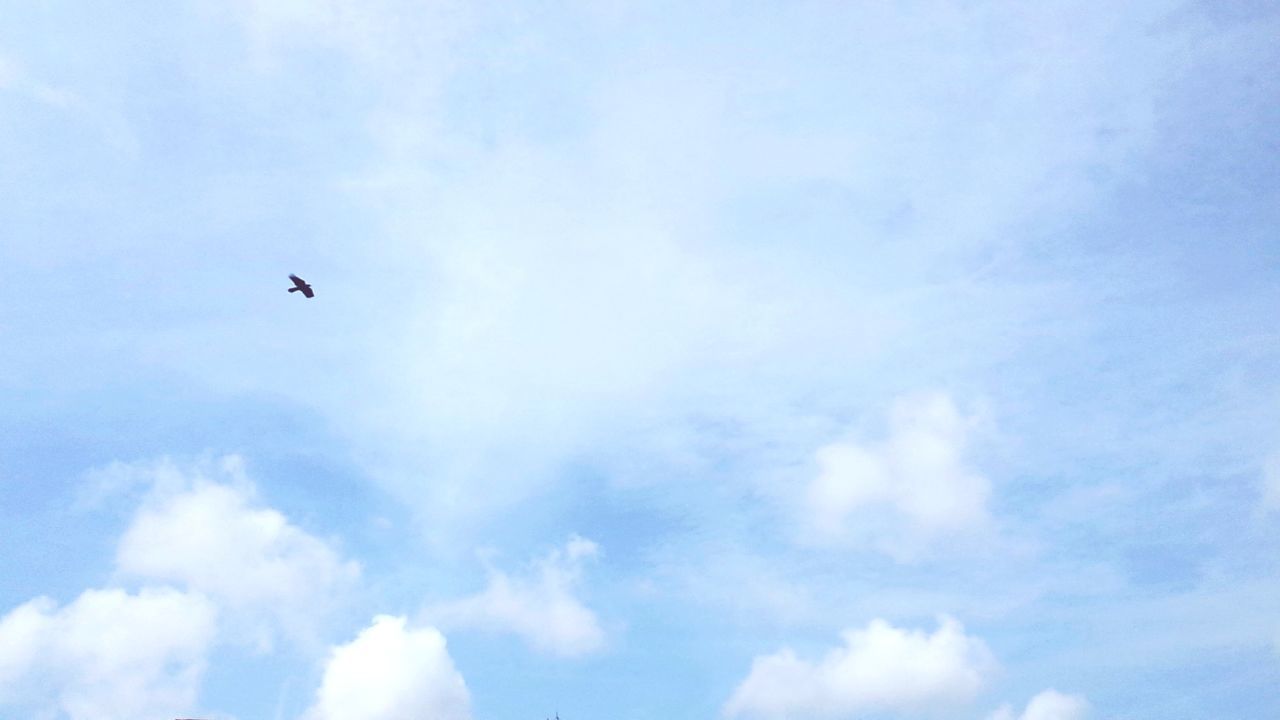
(300, 284)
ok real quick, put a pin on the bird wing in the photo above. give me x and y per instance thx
(297, 280)
(306, 290)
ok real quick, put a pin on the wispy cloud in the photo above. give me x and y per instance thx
(14, 78)
(539, 605)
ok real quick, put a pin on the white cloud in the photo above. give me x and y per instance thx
(112, 654)
(880, 668)
(109, 655)
(1271, 483)
(900, 493)
(391, 673)
(1048, 705)
(211, 535)
(540, 606)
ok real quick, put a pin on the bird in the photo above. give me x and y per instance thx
(300, 284)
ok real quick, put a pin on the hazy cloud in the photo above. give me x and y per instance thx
(631, 269)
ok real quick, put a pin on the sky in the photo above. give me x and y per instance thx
(729, 359)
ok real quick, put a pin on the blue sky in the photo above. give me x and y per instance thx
(692, 360)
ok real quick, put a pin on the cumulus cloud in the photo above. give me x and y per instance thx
(242, 566)
(391, 672)
(1048, 705)
(539, 606)
(205, 529)
(109, 655)
(899, 493)
(879, 668)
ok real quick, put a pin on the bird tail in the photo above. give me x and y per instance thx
(293, 289)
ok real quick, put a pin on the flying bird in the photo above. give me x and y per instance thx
(300, 284)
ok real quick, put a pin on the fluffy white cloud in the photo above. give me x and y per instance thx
(390, 672)
(211, 535)
(913, 486)
(538, 606)
(112, 654)
(1271, 483)
(1048, 705)
(109, 655)
(880, 668)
